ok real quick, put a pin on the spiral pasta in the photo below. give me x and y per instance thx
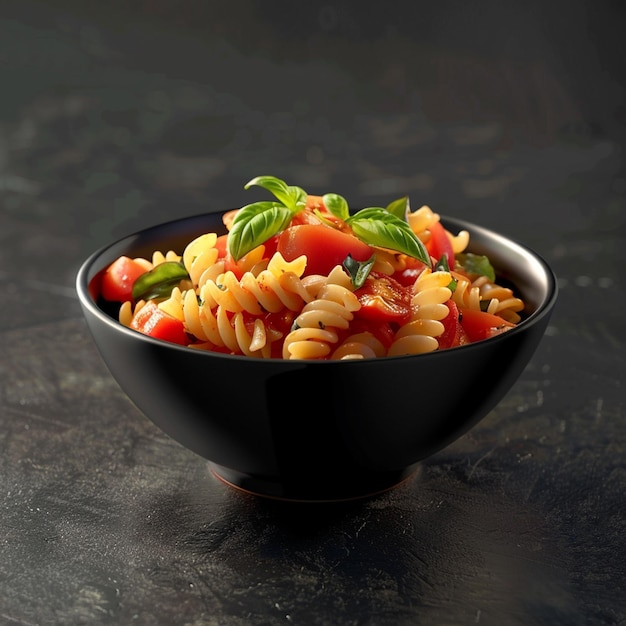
(127, 311)
(200, 255)
(421, 220)
(213, 313)
(502, 301)
(316, 327)
(466, 294)
(428, 308)
(363, 345)
(388, 262)
(473, 293)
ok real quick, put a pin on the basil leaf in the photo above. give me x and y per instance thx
(254, 224)
(298, 196)
(292, 197)
(337, 205)
(477, 264)
(358, 270)
(378, 227)
(442, 265)
(159, 281)
(400, 208)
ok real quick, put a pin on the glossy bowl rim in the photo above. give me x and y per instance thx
(544, 308)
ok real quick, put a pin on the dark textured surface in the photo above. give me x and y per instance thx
(113, 118)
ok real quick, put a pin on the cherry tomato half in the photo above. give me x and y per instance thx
(119, 278)
(152, 321)
(479, 325)
(439, 244)
(410, 273)
(454, 334)
(383, 299)
(323, 246)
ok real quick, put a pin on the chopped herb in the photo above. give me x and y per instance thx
(358, 270)
(477, 264)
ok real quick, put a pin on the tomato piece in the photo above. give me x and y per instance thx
(410, 274)
(454, 334)
(221, 245)
(271, 245)
(315, 212)
(479, 325)
(324, 247)
(315, 202)
(383, 299)
(281, 321)
(439, 244)
(305, 216)
(119, 278)
(152, 321)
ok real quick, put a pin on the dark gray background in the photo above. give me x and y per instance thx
(118, 115)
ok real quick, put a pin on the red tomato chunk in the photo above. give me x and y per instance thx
(383, 299)
(453, 334)
(324, 247)
(118, 279)
(439, 244)
(479, 325)
(152, 321)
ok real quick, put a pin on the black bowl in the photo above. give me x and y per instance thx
(317, 430)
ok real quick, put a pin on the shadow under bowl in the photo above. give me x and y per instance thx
(316, 430)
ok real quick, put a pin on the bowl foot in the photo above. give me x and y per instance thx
(365, 485)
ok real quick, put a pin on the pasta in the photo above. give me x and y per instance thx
(214, 312)
(419, 334)
(267, 302)
(316, 328)
(473, 293)
(422, 220)
(364, 345)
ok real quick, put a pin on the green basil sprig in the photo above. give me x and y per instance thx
(377, 226)
(159, 281)
(400, 208)
(255, 223)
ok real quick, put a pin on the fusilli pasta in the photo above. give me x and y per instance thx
(316, 327)
(419, 334)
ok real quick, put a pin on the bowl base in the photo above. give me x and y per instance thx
(364, 486)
